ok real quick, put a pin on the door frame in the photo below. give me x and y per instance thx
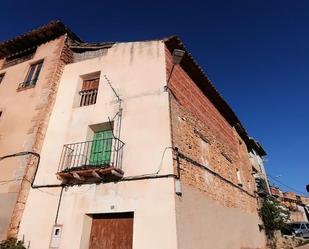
(87, 225)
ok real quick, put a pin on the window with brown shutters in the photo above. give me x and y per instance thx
(89, 91)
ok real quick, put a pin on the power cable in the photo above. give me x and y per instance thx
(287, 186)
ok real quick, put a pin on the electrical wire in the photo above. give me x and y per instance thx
(7, 181)
(216, 174)
(37, 155)
(24, 153)
(151, 175)
(287, 186)
(162, 158)
(42, 191)
(11, 180)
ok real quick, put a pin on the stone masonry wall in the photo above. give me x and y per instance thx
(205, 138)
(39, 126)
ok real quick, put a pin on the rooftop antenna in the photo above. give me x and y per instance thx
(119, 113)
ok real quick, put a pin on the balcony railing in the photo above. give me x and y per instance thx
(88, 97)
(103, 153)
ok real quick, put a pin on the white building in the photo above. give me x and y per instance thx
(123, 160)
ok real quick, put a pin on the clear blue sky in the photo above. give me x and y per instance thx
(255, 52)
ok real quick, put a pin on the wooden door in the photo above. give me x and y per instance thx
(101, 147)
(112, 231)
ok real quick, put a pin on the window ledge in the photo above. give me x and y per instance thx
(19, 89)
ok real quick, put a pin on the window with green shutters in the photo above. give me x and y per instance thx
(101, 148)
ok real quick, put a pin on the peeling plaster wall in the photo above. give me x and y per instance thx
(89, 54)
(22, 128)
(137, 72)
(299, 214)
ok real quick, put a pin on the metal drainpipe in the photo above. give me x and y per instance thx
(58, 207)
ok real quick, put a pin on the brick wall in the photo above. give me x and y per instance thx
(203, 135)
(276, 192)
(290, 195)
(305, 200)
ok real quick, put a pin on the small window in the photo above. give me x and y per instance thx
(89, 91)
(32, 75)
(204, 145)
(239, 181)
(227, 157)
(1, 77)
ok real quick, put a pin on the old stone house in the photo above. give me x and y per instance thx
(140, 151)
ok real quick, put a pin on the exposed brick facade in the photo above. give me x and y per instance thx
(203, 135)
(304, 200)
(295, 203)
(39, 126)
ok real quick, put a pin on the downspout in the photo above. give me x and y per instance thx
(58, 207)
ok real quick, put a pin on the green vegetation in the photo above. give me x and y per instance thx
(274, 216)
(12, 244)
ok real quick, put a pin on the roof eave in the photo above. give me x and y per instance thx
(36, 37)
(203, 82)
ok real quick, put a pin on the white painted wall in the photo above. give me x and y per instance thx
(137, 72)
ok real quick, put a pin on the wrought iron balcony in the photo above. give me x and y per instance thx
(92, 160)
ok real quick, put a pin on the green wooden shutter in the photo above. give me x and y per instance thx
(101, 148)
